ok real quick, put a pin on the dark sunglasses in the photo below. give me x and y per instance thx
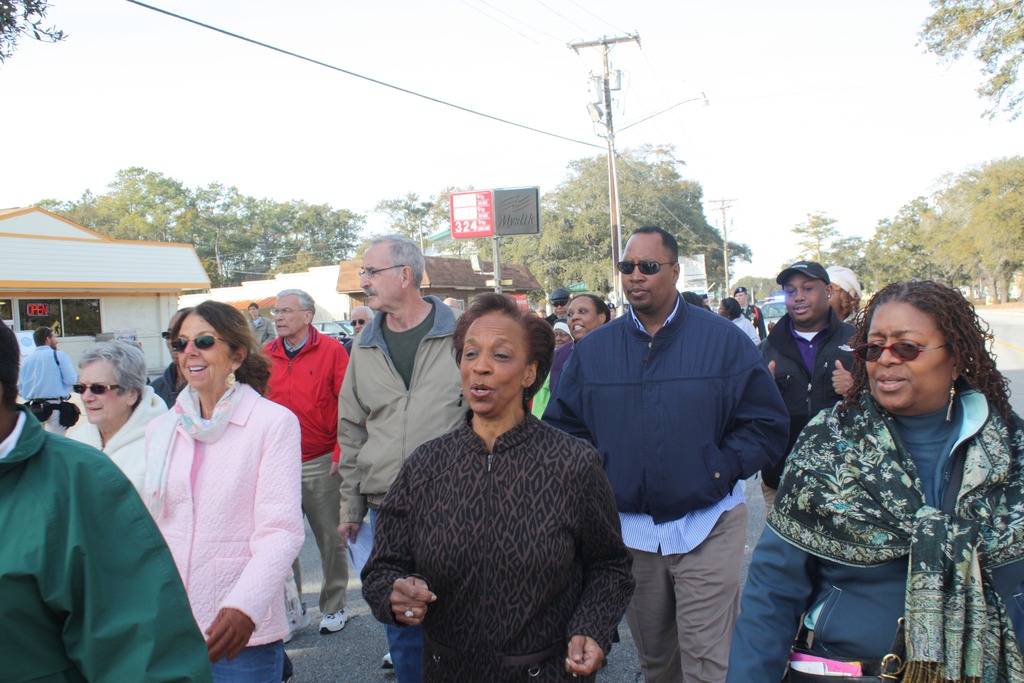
(166, 334)
(202, 342)
(359, 321)
(97, 389)
(903, 350)
(646, 267)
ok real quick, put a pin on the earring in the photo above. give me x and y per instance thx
(231, 381)
(949, 411)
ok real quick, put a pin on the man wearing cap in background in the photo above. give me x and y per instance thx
(845, 292)
(808, 352)
(559, 300)
(750, 311)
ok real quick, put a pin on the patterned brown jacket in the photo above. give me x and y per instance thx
(522, 547)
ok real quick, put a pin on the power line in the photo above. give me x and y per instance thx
(356, 75)
(617, 30)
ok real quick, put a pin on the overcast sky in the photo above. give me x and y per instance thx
(817, 105)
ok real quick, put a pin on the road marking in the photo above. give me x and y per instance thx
(1015, 348)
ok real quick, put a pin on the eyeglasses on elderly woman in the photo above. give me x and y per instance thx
(903, 350)
(97, 389)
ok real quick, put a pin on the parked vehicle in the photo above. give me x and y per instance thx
(339, 329)
(773, 308)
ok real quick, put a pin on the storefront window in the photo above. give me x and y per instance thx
(6, 311)
(66, 317)
(81, 317)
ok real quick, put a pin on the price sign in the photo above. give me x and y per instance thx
(472, 214)
(37, 310)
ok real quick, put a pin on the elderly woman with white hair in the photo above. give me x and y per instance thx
(118, 405)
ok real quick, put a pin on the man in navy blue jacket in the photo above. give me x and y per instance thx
(683, 409)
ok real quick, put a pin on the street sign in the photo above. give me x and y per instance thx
(517, 211)
(504, 283)
(472, 214)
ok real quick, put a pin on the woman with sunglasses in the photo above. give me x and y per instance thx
(223, 483)
(118, 405)
(897, 539)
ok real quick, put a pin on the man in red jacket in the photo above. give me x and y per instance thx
(305, 377)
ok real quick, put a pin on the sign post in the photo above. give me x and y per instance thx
(493, 213)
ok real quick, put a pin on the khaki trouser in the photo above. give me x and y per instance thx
(321, 503)
(685, 606)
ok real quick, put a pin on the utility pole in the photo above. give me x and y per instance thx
(724, 204)
(605, 44)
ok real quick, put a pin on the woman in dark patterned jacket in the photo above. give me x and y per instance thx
(501, 537)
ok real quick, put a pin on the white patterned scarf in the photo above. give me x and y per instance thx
(190, 419)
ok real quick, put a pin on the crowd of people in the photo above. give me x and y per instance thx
(508, 486)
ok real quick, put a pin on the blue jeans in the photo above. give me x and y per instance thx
(258, 664)
(405, 644)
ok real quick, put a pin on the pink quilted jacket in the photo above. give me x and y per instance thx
(235, 534)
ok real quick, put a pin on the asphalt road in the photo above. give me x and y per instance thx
(353, 655)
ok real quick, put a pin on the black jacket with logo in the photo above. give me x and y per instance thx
(804, 393)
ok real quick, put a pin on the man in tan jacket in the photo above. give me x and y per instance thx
(402, 388)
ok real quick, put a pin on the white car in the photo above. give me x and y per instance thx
(773, 308)
(339, 329)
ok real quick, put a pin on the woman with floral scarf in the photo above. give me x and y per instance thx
(899, 525)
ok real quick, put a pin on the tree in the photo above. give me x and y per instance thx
(993, 31)
(815, 235)
(995, 224)
(409, 216)
(898, 251)
(759, 288)
(20, 18)
(236, 237)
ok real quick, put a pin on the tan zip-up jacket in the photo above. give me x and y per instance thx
(380, 422)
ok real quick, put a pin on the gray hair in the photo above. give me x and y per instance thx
(404, 252)
(127, 360)
(306, 302)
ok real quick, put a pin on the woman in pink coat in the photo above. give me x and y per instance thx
(223, 483)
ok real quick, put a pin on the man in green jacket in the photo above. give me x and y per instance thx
(88, 588)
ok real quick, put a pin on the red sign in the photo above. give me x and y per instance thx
(522, 300)
(472, 214)
(37, 310)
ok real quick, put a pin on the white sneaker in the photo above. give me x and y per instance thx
(386, 663)
(332, 623)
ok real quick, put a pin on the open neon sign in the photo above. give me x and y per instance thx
(37, 310)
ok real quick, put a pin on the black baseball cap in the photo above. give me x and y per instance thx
(809, 269)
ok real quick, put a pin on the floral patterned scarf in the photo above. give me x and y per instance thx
(188, 417)
(850, 494)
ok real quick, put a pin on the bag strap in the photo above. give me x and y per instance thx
(894, 663)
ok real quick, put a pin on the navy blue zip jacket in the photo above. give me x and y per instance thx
(678, 418)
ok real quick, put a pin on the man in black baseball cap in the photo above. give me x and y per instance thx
(750, 311)
(809, 354)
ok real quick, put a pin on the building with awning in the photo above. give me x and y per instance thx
(89, 287)
(451, 277)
